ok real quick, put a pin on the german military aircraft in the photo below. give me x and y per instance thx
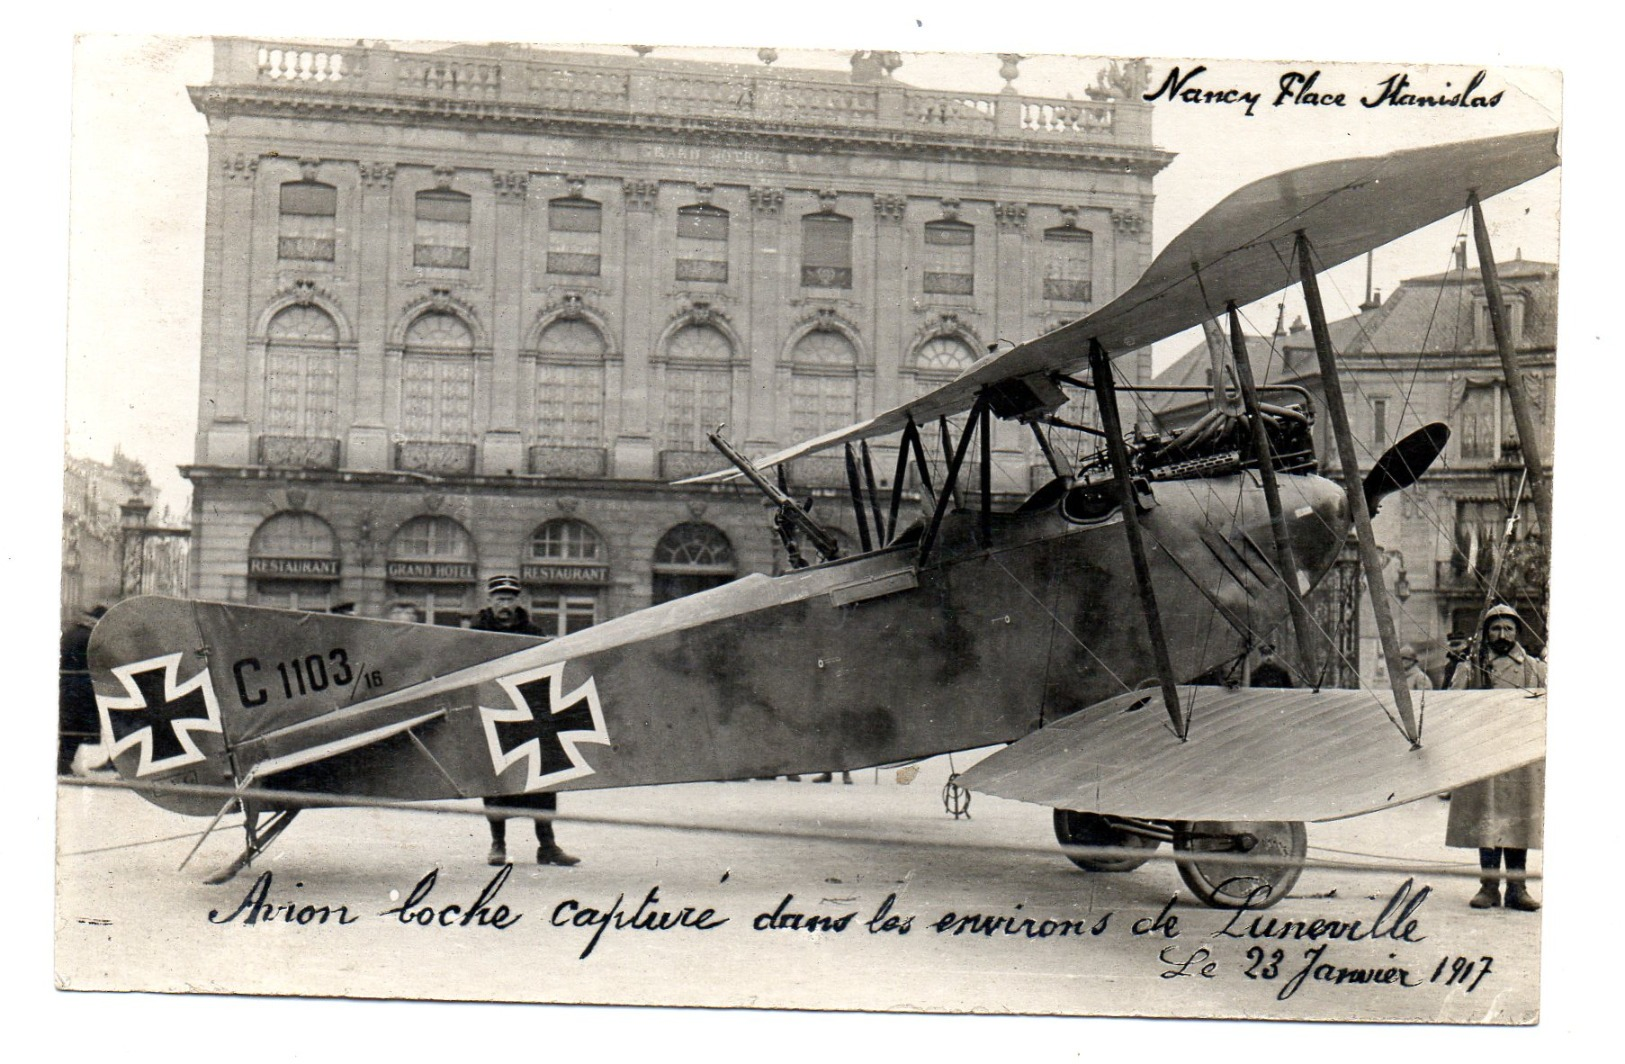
(1053, 627)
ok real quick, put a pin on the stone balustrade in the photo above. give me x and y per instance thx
(626, 86)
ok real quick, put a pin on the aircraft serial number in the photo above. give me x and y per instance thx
(295, 677)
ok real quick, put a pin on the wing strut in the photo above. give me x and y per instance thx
(856, 492)
(874, 493)
(1533, 460)
(1370, 561)
(1284, 557)
(1100, 370)
(956, 459)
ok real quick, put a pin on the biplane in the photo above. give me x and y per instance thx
(1067, 629)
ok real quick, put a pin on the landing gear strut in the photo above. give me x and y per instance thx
(258, 839)
(1227, 864)
(1078, 832)
(1258, 861)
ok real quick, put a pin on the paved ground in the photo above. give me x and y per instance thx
(127, 919)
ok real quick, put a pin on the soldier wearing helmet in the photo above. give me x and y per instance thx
(1503, 816)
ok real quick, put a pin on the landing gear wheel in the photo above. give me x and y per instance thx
(1073, 828)
(1233, 882)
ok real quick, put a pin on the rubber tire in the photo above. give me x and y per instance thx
(1075, 828)
(1224, 885)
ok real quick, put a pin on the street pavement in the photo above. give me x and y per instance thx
(793, 896)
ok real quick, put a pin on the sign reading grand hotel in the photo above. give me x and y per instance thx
(461, 572)
(306, 568)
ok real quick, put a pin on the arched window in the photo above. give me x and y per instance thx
(950, 258)
(823, 383)
(574, 234)
(702, 243)
(301, 373)
(567, 570)
(826, 251)
(307, 221)
(293, 562)
(1069, 254)
(437, 380)
(442, 229)
(944, 356)
(570, 385)
(699, 386)
(432, 564)
(691, 557)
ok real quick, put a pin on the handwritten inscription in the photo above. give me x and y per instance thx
(1296, 88)
(1282, 955)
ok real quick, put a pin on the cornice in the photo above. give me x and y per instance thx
(199, 474)
(218, 101)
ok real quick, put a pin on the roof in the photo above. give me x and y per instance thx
(1432, 315)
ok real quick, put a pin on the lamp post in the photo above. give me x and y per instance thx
(1402, 576)
(1510, 476)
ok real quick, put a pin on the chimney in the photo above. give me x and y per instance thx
(1461, 253)
(1297, 325)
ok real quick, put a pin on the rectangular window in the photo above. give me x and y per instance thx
(558, 614)
(697, 401)
(1479, 425)
(1379, 423)
(1069, 255)
(574, 234)
(437, 399)
(950, 258)
(826, 251)
(307, 224)
(442, 230)
(569, 405)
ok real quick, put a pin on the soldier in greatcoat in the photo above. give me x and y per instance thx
(1503, 816)
(505, 614)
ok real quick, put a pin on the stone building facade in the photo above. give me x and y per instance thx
(1427, 354)
(472, 310)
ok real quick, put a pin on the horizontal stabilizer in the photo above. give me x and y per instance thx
(1264, 753)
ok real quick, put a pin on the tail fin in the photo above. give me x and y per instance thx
(181, 686)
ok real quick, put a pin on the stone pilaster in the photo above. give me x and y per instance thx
(893, 289)
(368, 443)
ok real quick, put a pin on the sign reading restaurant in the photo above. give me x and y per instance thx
(564, 574)
(298, 568)
(459, 572)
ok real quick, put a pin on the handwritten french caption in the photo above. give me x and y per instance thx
(1281, 955)
(1314, 89)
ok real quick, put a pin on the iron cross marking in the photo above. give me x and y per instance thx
(544, 724)
(159, 713)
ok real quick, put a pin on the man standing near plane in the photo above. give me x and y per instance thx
(1502, 816)
(505, 614)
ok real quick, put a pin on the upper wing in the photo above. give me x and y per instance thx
(1239, 252)
(1264, 754)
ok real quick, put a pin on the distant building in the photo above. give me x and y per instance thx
(471, 310)
(95, 496)
(1426, 354)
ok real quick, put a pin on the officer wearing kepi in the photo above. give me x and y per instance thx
(505, 614)
(1502, 816)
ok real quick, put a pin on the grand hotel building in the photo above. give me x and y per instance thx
(472, 310)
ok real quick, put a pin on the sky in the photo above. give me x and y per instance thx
(138, 177)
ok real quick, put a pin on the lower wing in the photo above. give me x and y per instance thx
(1264, 754)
